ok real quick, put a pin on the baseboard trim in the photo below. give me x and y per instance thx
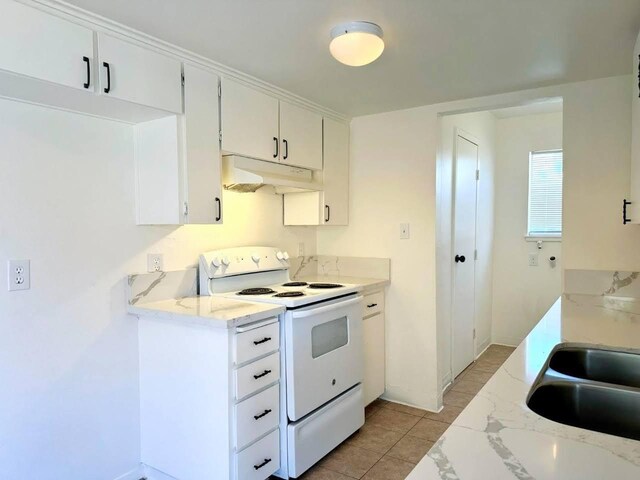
(134, 474)
(151, 473)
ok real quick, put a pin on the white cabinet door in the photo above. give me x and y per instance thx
(373, 340)
(249, 122)
(45, 47)
(336, 173)
(635, 137)
(203, 183)
(135, 74)
(301, 137)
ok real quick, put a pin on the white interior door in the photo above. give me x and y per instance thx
(464, 244)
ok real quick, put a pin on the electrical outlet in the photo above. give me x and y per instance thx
(19, 275)
(301, 249)
(155, 262)
(404, 231)
(533, 259)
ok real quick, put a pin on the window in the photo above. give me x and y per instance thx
(545, 193)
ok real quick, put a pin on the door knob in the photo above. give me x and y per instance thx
(460, 258)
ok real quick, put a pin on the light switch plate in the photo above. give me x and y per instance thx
(19, 275)
(404, 231)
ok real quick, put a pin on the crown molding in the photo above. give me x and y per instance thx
(102, 24)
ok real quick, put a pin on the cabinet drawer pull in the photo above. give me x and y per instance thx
(266, 412)
(371, 305)
(219, 205)
(258, 342)
(286, 149)
(108, 87)
(258, 467)
(327, 216)
(265, 373)
(88, 82)
(277, 142)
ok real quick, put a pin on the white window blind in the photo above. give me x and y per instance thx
(545, 193)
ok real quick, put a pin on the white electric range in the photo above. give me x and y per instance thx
(321, 338)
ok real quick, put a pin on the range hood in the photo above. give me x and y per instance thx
(243, 174)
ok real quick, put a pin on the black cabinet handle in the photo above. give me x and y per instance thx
(625, 203)
(266, 372)
(327, 210)
(258, 467)
(219, 205)
(88, 82)
(371, 305)
(265, 339)
(286, 149)
(266, 412)
(275, 139)
(460, 258)
(108, 88)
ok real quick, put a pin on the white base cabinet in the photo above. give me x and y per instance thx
(634, 209)
(192, 425)
(373, 337)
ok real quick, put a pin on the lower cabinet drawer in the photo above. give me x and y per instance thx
(373, 303)
(256, 375)
(256, 415)
(256, 342)
(260, 460)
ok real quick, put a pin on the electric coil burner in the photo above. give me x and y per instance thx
(325, 285)
(256, 291)
(295, 284)
(289, 294)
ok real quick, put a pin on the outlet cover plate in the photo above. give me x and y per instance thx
(19, 275)
(533, 259)
(404, 231)
(155, 262)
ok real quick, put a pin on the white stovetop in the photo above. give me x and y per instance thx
(497, 436)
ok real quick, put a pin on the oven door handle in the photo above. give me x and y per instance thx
(328, 308)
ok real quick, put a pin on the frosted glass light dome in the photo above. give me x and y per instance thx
(356, 43)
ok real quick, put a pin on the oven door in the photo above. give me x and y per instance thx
(324, 355)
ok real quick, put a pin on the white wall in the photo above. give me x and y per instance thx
(68, 351)
(482, 126)
(521, 294)
(393, 178)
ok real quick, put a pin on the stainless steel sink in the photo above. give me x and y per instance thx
(590, 387)
(609, 366)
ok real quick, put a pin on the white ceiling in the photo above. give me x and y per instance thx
(436, 50)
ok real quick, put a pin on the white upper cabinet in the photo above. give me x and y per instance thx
(249, 122)
(634, 210)
(136, 74)
(41, 46)
(202, 166)
(336, 173)
(300, 137)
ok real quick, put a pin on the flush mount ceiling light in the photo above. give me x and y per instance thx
(356, 43)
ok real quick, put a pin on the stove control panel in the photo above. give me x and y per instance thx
(237, 261)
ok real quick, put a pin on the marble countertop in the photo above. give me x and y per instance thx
(498, 437)
(367, 284)
(206, 310)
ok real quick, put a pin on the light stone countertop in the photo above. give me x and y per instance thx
(206, 310)
(497, 436)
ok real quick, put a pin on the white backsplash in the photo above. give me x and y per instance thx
(364, 267)
(602, 282)
(153, 287)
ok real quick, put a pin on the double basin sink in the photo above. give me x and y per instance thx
(590, 387)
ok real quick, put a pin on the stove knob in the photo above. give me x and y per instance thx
(255, 257)
(225, 261)
(215, 263)
(285, 255)
(280, 256)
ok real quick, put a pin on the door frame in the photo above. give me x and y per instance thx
(459, 132)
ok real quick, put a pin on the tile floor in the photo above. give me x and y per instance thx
(395, 437)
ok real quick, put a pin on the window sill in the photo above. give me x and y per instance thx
(543, 238)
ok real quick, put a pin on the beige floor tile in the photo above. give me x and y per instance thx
(410, 449)
(418, 412)
(371, 409)
(447, 415)
(375, 438)
(393, 420)
(350, 460)
(478, 376)
(389, 468)
(502, 349)
(321, 473)
(378, 402)
(487, 366)
(467, 386)
(457, 399)
(428, 429)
